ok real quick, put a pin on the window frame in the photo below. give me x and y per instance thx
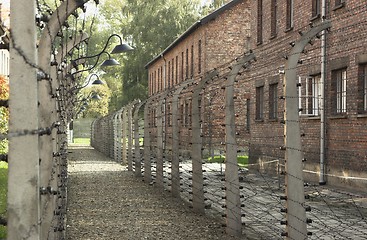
(316, 9)
(289, 15)
(273, 101)
(199, 56)
(273, 25)
(362, 88)
(259, 116)
(339, 80)
(259, 35)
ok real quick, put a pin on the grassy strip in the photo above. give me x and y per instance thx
(84, 141)
(241, 160)
(3, 195)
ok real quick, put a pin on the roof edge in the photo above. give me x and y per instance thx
(202, 21)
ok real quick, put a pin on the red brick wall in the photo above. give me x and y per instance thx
(227, 37)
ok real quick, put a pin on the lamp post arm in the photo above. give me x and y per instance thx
(104, 48)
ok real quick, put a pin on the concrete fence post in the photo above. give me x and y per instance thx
(296, 224)
(23, 186)
(137, 140)
(160, 140)
(130, 126)
(233, 201)
(175, 167)
(197, 145)
(124, 135)
(147, 144)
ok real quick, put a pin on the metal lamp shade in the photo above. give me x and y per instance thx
(110, 62)
(96, 97)
(97, 82)
(124, 47)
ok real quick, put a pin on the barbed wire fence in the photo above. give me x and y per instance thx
(264, 183)
(194, 136)
(44, 41)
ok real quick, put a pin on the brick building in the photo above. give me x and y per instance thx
(331, 73)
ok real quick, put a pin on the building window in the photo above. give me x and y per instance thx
(339, 87)
(289, 14)
(187, 114)
(159, 80)
(173, 73)
(362, 89)
(192, 60)
(156, 81)
(273, 101)
(316, 8)
(199, 57)
(161, 77)
(182, 115)
(260, 103)
(187, 63)
(273, 18)
(310, 95)
(259, 21)
(169, 122)
(339, 3)
(182, 66)
(248, 115)
(176, 70)
(169, 75)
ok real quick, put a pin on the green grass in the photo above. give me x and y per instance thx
(3, 192)
(84, 141)
(241, 160)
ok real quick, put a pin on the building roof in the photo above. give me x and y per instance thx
(195, 26)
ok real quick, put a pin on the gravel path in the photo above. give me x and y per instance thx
(105, 201)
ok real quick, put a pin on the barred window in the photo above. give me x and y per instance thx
(259, 21)
(316, 8)
(199, 57)
(289, 14)
(273, 18)
(362, 88)
(339, 87)
(273, 101)
(260, 103)
(310, 95)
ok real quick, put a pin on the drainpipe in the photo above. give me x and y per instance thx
(322, 180)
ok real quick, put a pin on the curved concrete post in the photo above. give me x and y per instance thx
(147, 144)
(175, 167)
(47, 112)
(124, 136)
(92, 135)
(23, 186)
(233, 202)
(54, 25)
(198, 203)
(130, 134)
(70, 45)
(136, 138)
(296, 215)
(160, 139)
(118, 136)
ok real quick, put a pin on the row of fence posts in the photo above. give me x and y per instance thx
(160, 161)
(42, 99)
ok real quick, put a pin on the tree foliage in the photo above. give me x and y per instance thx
(4, 113)
(95, 108)
(149, 26)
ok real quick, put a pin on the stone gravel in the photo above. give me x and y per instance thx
(105, 201)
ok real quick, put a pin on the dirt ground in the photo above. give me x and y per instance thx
(105, 201)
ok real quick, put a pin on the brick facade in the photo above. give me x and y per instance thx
(269, 27)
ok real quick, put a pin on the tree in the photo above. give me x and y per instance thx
(95, 108)
(4, 113)
(149, 26)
